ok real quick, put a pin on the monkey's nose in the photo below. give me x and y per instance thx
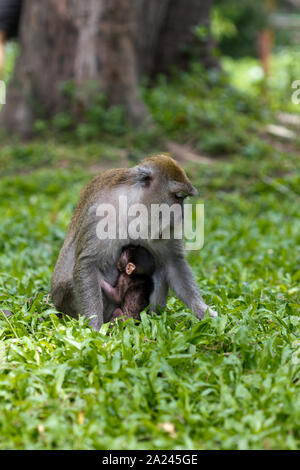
(194, 191)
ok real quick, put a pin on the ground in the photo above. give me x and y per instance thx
(170, 382)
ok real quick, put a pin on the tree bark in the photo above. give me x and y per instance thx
(113, 42)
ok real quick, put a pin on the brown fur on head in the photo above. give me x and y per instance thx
(160, 177)
(164, 180)
(168, 167)
(137, 260)
(161, 164)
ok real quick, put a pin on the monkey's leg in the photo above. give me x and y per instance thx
(119, 313)
(63, 298)
(158, 297)
(87, 278)
(181, 280)
(111, 292)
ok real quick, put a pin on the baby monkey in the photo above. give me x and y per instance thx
(134, 284)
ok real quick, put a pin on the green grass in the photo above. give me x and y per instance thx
(225, 383)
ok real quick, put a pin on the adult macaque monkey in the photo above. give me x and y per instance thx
(85, 259)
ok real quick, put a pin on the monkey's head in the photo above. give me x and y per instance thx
(164, 180)
(137, 260)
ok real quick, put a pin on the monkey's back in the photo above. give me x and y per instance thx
(97, 186)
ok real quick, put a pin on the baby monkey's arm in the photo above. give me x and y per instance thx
(111, 292)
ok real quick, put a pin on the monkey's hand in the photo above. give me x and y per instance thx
(201, 309)
(111, 292)
(212, 313)
(181, 280)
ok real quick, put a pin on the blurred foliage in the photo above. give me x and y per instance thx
(88, 114)
(11, 54)
(200, 107)
(276, 90)
(235, 26)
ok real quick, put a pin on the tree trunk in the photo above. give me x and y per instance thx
(113, 42)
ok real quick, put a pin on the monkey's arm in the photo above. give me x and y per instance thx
(86, 278)
(86, 273)
(181, 280)
(111, 292)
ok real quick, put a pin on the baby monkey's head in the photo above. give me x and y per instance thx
(137, 260)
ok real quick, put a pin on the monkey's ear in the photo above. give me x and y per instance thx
(130, 268)
(144, 175)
